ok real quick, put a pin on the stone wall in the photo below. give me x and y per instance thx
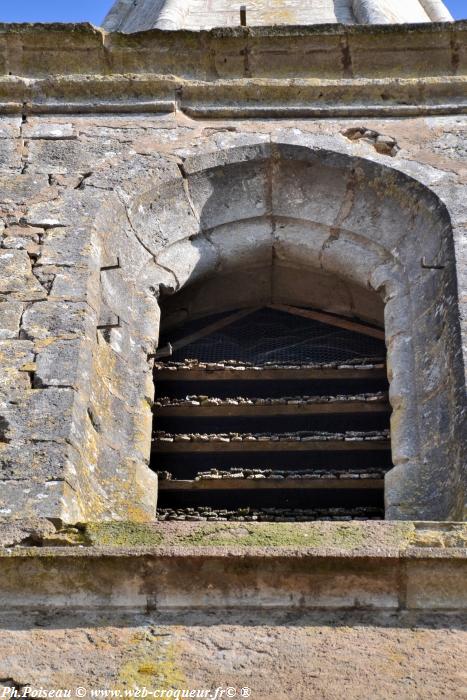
(104, 214)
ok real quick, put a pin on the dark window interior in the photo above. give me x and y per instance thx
(266, 414)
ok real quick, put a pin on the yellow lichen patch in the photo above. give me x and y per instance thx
(439, 535)
(28, 367)
(152, 664)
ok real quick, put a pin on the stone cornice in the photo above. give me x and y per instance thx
(322, 70)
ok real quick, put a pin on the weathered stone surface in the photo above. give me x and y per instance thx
(53, 318)
(65, 247)
(21, 189)
(10, 155)
(10, 319)
(243, 244)
(41, 415)
(10, 127)
(170, 214)
(71, 284)
(16, 277)
(62, 363)
(43, 129)
(24, 532)
(321, 653)
(38, 462)
(221, 199)
(16, 356)
(49, 499)
(190, 260)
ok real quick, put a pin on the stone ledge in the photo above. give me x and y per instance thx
(300, 71)
(167, 579)
(392, 537)
(206, 553)
(239, 565)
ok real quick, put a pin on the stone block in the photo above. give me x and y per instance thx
(69, 156)
(454, 196)
(312, 56)
(388, 280)
(48, 319)
(398, 315)
(366, 304)
(10, 127)
(16, 278)
(231, 193)
(388, 208)
(76, 284)
(15, 357)
(156, 280)
(436, 413)
(48, 215)
(16, 189)
(365, 47)
(127, 430)
(224, 150)
(52, 499)
(302, 287)
(22, 532)
(133, 175)
(401, 369)
(164, 216)
(22, 243)
(39, 415)
(190, 260)
(10, 154)
(24, 232)
(136, 328)
(405, 432)
(131, 487)
(243, 244)
(10, 319)
(436, 585)
(63, 363)
(39, 462)
(352, 260)
(312, 191)
(67, 247)
(299, 243)
(40, 128)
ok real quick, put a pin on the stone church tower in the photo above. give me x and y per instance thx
(233, 340)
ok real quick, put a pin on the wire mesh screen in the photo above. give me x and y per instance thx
(270, 336)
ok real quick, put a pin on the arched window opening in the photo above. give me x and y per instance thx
(276, 413)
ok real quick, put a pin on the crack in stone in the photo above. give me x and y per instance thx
(186, 187)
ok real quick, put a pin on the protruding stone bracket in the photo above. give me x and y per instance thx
(431, 265)
(112, 266)
(108, 320)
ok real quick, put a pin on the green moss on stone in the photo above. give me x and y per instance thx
(327, 535)
(123, 534)
(345, 536)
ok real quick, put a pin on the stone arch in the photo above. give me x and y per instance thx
(263, 218)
